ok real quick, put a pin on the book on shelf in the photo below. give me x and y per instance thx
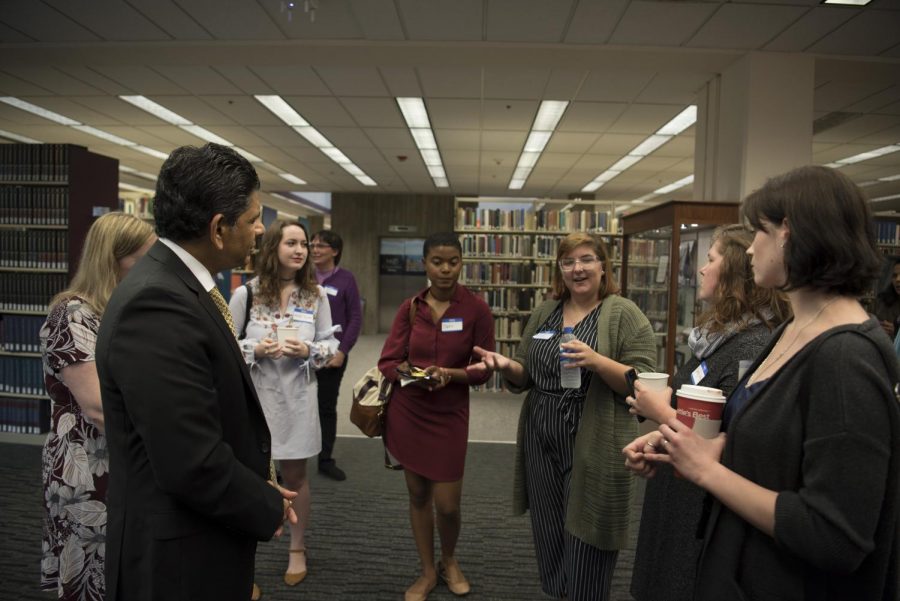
(24, 415)
(34, 205)
(887, 233)
(22, 375)
(19, 333)
(34, 248)
(34, 163)
(518, 219)
(30, 291)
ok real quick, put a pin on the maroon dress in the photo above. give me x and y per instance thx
(427, 431)
(75, 464)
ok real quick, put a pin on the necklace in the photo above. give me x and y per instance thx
(768, 361)
(286, 279)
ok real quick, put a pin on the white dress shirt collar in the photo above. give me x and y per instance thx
(197, 268)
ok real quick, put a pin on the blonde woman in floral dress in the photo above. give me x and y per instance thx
(74, 458)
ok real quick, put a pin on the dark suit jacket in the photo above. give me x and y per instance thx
(188, 442)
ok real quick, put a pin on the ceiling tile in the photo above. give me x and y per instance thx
(745, 26)
(112, 20)
(507, 82)
(593, 22)
(869, 33)
(240, 21)
(458, 139)
(563, 84)
(138, 79)
(96, 80)
(660, 23)
(810, 28)
(616, 144)
(321, 111)
(590, 116)
(533, 21)
(571, 143)
(198, 79)
(644, 118)
(291, 79)
(614, 84)
(674, 88)
(509, 141)
(193, 109)
(51, 79)
(353, 81)
(346, 138)
(401, 81)
(460, 20)
(43, 23)
(172, 19)
(374, 112)
(682, 146)
(396, 139)
(461, 160)
(509, 114)
(243, 79)
(451, 82)
(333, 20)
(877, 101)
(841, 94)
(14, 86)
(558, 160)
(377, 19)
(8, 35)
(454, 114)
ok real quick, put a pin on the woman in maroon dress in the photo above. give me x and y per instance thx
(75, 463)
(428, 421)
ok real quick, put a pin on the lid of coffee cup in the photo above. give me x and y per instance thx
(703, 393)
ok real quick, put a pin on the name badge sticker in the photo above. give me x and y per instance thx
(304, 315)
(452, 324)
(699, 373)
(545, 335)
(331, 290)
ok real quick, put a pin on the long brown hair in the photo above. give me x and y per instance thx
(111, 238)
(267, 264)
(607, 284)
(737, 297)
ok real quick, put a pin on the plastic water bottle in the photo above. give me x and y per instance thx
(569, 377)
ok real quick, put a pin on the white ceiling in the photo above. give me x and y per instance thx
(483, 66)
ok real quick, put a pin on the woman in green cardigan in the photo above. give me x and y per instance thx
(569, 471)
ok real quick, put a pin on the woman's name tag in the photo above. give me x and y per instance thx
(304, 315)
(452, 324)
(331, 290)
(547, 335)
(699, 373)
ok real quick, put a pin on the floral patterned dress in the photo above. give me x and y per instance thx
(75, 464)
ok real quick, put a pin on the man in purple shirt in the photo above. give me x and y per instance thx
(343, 296)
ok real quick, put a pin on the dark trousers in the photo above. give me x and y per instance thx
(329, 384)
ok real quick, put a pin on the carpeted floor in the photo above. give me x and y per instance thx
(359, 540)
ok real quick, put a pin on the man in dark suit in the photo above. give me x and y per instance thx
(188, 443)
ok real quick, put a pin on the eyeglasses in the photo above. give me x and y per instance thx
(587, 261)
(319, 245)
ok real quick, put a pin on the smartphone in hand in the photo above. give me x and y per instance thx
(630, 378)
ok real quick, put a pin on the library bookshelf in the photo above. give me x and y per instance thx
(509, 251)
(50, 194)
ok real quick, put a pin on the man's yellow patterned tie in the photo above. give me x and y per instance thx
(223, 309)
(226, 313)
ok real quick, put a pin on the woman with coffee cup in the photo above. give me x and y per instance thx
(737, 322)
(285, 298)
(807, 480)
(568, 470)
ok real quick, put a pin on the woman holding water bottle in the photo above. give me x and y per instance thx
(285, 298)
(568, 470)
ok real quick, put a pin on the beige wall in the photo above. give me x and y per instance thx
(363, 219)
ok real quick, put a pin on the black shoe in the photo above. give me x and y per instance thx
(332, 471)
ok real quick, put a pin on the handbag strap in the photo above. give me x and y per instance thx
(246, 311)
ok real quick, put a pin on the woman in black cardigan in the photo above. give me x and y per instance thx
(735, 327)
(807, 481)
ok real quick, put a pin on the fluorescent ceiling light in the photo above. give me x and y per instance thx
(353, 170)
(549, 114)
(313, 136)
(436, 171)
(865, 156)
(11, 136)
(281, 109)
(150, 151)
(441, 182)
(680, 122)
(205, 134)
(847, 2)
(414, 112)
(431, 156)
(542, 128)
(890, 178)
(248, 155)
(292, 178)
(336, 155)
(675, 185)
(135, 172)
(880, 198)
(424, 139)
(366, 180)
(124, 186)
(36, 110)
(158, 110)
(104, 135)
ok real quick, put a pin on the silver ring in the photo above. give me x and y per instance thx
(651, 445)
(666, 441)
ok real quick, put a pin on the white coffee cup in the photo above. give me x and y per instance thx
(654, 380)
(286, 333)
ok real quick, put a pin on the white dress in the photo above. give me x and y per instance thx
(287, 387)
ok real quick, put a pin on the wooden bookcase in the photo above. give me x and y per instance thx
(50, 194)
(509, 250)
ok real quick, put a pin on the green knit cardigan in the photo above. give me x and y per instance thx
(602, 489)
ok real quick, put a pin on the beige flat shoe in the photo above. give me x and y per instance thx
(411, 595)
(295, 578)
(453, 576)
(256, 593)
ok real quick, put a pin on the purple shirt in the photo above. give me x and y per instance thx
(343, 297)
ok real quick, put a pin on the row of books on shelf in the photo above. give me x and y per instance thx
(34, 205)
(30, 291)
(646, 251)
(39, 249)
(24, 416)
(646, 278)
(34, 162)
(554, 220)
(511, 299)
(509, 327)
(525, 246)
(142, 207)
(21, 375)
(651, 303)
(20, 333)
(887, 233)
(506, 273)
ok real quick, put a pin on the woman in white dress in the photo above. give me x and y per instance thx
(284, 294)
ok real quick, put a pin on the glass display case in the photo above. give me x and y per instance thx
(664, 246)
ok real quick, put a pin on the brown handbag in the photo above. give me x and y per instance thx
(372, 393)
